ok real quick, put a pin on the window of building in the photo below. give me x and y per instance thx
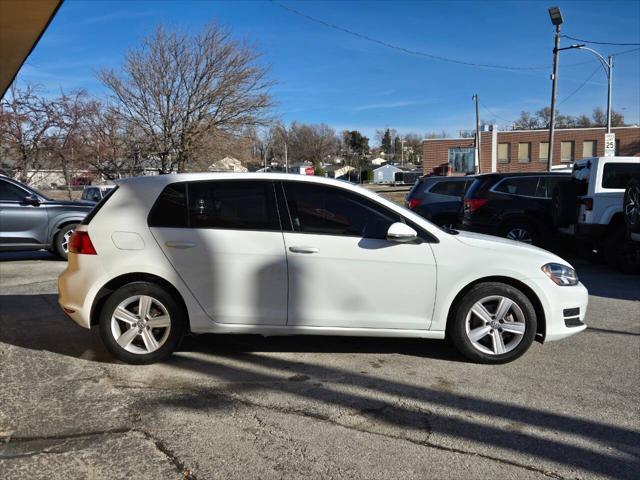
(518, 186)
(544, 152)
(503, 152)
(567, 151)
(462, 159)
(589, 148)
(524, 152)
(330, 211)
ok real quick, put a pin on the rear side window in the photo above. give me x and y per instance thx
(547, 184)
(170, 210)
(581, 174)
(618, 175)
(522, 186)
(235, 205)
(331, 211)
(450, 188)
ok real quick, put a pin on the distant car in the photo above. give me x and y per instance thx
(29, 220)
(95, 193)
(512, 205)
(278, 254)
(439, 199)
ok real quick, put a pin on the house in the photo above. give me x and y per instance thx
(385, 174)
(227, 164)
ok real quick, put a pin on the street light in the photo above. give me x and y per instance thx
(556, 20)
(608, 70)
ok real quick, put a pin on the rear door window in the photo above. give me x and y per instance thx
(547, 184)
(521, 186)
(618, 175)
(170, 210)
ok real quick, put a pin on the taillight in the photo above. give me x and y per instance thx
(587, 202)
(80, 242)
(473, 204)
(413, 203)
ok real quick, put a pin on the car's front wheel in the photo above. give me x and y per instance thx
(142, 323)
(493, 323)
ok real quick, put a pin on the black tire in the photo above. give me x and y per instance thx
(61, 241)
(177, 322)
(457, 327)
(521, 231)
(631, 207)
(564, 210)
(621, 252)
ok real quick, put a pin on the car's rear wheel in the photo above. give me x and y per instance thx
(632, 205)
(520, 232)
(493, 323)
(61, 240)
(142, 323)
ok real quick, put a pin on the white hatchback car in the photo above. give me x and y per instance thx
(278, 254)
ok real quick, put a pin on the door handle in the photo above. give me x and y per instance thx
(180, 244)
(303, 249)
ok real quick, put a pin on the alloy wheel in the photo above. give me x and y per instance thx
(65, 240)
(520, 235)
(632, 207)
(140, 324)
(495, 325)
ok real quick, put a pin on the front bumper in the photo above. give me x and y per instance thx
(560, 304)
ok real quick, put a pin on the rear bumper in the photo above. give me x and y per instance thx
(76, 285)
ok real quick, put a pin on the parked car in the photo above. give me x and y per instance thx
(512, 205)
(95, 193)
(439, 199)
(29, 220)
(590, 208)
(277, 254)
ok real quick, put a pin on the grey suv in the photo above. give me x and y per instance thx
(30, 220)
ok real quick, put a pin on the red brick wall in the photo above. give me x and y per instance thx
(436, 151)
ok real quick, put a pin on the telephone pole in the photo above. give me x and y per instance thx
(477, 159)
(556, 19)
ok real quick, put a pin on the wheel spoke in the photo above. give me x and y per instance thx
(503, 308)
(479, 333)
(144, 306)
(125, 316)
(149, 341)
(127, 337)
(161, 321)
(481, 312)
(513, 327)
(498, 343)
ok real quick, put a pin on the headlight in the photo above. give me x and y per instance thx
(561, 274)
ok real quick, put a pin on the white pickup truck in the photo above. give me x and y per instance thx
(591, 208)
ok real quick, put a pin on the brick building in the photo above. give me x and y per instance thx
(525, 150)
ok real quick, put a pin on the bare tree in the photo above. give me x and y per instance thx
(312, 143)
(179, 89)
(25, 122)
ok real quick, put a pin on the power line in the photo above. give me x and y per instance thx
(624, 52)
(601, 43)
(580, 87)
(403, 49)
(495, 114)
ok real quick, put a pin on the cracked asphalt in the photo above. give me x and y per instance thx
(247, 407)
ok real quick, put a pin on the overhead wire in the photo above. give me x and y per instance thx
(600, 43)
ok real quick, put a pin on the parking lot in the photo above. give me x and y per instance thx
(324, 407)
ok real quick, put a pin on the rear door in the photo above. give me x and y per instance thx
(21, 224)
(342, 270)
(225, 241)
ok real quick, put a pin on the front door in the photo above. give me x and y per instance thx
(226, 243)
(342, 270)
(22, 224)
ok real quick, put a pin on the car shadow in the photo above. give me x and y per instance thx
(603, 281)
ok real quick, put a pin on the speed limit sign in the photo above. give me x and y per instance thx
(609, 144)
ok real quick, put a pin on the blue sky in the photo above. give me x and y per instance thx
(327, 76)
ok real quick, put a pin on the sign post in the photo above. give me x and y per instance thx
(609, 144)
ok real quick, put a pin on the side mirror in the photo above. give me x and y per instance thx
(401, 233)
(32, 200)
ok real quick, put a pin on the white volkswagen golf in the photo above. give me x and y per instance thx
(272, 254)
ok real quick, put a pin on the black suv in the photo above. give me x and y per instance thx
(30, 220)
(438, 199)
(512, 205)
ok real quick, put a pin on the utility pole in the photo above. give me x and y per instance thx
(556, 19)
(477, 159)
(402, 153)
(286, 158)
(610, 75)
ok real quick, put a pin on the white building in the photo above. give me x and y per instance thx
(385, 174)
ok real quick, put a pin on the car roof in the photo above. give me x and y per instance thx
(443, 178)
(522, 174)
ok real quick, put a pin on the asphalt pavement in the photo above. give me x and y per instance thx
(245, 407)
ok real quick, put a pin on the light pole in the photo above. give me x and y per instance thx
(608, 70)
(556, 19)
